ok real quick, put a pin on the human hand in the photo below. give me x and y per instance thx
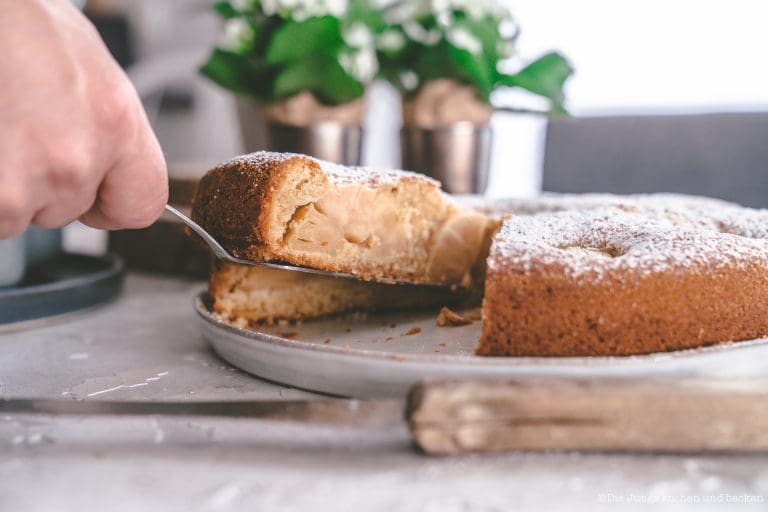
(74, 139)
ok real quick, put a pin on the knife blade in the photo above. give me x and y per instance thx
(449, 417)
(335, 411)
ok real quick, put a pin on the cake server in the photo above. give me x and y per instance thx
(222, 254)
(531, 414)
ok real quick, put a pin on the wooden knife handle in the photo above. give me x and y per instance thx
(451, 417)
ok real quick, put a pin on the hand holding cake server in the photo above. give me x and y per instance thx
(75, 142)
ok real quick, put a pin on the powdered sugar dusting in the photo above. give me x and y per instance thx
(633, 237)
(262, 158)
(338, 174)
(341, 174)
(552, 202)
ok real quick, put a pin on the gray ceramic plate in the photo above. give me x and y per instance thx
(372, 356)
(52, 290)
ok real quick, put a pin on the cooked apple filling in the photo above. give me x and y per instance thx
(358, 224)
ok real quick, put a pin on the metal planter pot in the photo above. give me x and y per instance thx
(458, 155)
(327, 140)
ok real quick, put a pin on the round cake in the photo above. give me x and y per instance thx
(632, 278)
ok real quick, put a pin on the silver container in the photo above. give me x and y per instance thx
(458, 155)
(327, 140)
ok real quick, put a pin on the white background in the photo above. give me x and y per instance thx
(653, 56)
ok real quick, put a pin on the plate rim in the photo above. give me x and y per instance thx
(204, 313)
(113, 266)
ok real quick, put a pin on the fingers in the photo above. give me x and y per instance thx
(65, 209)
(17, 203)
(15, 214)
(134, 191)
(74, 139)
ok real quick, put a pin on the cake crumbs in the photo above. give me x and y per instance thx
(288, 335)
(389, 338)
(449, 318)
(412, 331)
(327, 341)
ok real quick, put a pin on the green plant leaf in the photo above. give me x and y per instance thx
(322, 76)
(234, 72)
(337, 86)
(486, 31)
(428, 64)
(476, 68)
(299, 40)
(545, 76)
(225, 10)
(296, 78)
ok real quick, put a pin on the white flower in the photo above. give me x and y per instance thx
(237, 32)
(300, 10)
(270, 7)
(358, 36)
(411, 9)
(445, 19)
(475, 9)
(300, 15)
(508, 28)
(361, 64)
(404, 11)
(441, 6)
(462, 38)
(241, 5)
(382, 4)
(391, 41)
(336, 7)
(409, 79)
(415, 31)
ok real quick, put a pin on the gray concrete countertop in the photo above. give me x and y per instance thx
(147, 346)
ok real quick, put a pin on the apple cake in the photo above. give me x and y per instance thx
(563, 275)
(374, 224)
(628, 279)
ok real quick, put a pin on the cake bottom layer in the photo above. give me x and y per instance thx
(246, 295)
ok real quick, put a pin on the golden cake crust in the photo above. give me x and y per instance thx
(232, 198)
(376, 224)
(625, 280)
